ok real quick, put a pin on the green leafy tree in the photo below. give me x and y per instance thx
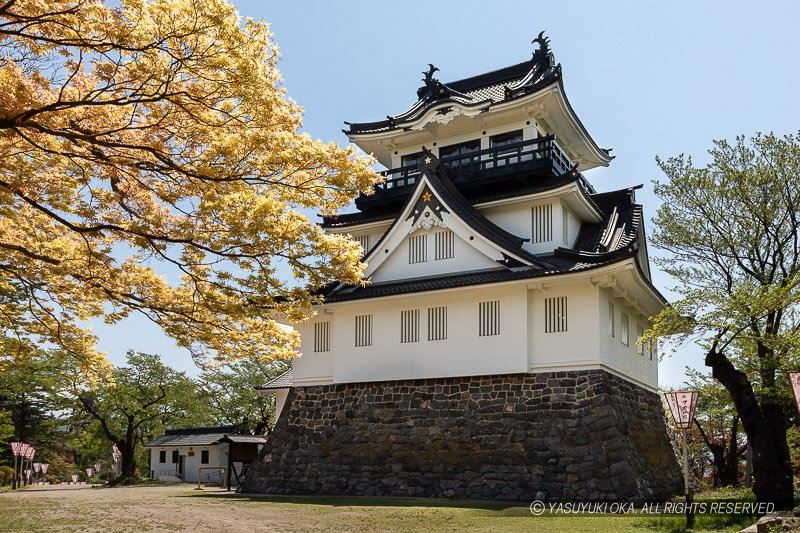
(32, 386)
(731, 230)
(146, 397)
(718, 424)
(230, 393)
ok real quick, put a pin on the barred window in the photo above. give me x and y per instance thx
(624, 329)
(555, 314)
(611, 320)
(409, 326)
(322, 336)
(488, 318)
(417, 249)
(444, 244)
(363, 240)
(542, 216)
(437, 323)
(363, 330)
(653, 349)
(639, 340)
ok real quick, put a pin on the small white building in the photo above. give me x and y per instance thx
(179, 454)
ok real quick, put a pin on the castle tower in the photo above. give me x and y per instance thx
(495, 351)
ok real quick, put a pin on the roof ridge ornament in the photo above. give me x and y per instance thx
(543, 55)
(428, 78)
(433, 87)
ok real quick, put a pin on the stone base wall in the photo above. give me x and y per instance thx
(583, 435)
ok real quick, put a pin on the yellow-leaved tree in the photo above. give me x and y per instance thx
(156, 133)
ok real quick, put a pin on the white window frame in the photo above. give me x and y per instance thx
(417, 249)
(363, 330)
(364, 241)
(542, 224)
(624, 328)
(437, 323)
(444, 245)
(639, 340)
(612, 312)
(555, 314)
(322, 336)
(489, 318)
(409, 326)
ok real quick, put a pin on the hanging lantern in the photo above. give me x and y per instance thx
(682, 405)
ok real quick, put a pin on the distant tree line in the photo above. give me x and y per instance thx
(44, 401)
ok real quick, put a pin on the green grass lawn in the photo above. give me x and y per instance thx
(179, 508)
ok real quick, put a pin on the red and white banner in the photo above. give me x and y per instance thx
(682, 405)
(16, 448)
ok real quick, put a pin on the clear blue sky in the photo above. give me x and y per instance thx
(646, 78)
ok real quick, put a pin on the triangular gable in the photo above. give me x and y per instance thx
(436, 202)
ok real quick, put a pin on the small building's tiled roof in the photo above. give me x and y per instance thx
(284, 381)
(246, 439)
(201, 436)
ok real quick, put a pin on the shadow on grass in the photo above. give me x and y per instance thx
(677, 524)
(357, 501)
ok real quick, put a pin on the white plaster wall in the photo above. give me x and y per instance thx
(462, 353)
(617, 356)
(573, 226)
(314, 367)
(517, 219)
(578, 345)
(280, 401)
(522, 345)
(465, 258)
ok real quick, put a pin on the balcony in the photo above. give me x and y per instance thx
(507, 166)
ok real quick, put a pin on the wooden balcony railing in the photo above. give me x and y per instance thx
(493, 163)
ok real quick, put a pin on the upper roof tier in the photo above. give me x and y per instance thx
(533, 89)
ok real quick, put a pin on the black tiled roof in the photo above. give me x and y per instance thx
(200, 436)
(601, 243)
(491, 87)
(280, 382)
(557, 265)
(546, 183)
(436, 175)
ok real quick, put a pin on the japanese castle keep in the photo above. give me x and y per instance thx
(495, 351)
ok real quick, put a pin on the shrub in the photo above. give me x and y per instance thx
(6, 475)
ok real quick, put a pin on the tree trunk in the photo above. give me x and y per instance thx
(765, 425)
(127, 462)
(748, 466)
